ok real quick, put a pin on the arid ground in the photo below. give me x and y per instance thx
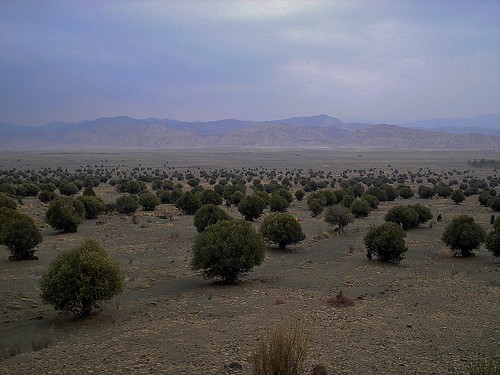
(428, 315)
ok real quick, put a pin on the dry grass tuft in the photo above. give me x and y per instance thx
(283, 351)
(326, 235)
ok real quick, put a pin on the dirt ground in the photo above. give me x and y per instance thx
(428, 315)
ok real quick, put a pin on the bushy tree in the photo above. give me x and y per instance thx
(406, 192)
(21, 236)
(360, 208)
(68, 189)
(46, 196)
(227, 249)
(457, 196)
(209, 214)
(493, 239)
(463, 235)
(407, 217)
(424, 213)
(7, 202)
(386, 242)
(94, 206)
(299, 194)
(208, 196)
(65, 214)
(148, 200)
(372, 200)
(251, 207)
(80, 279)
(494, 203)
(188, 203)
(338, 215)
(278, 204)
(6, 215)
(282, 229)
(315, 206)
(127, 204)
(426, 192)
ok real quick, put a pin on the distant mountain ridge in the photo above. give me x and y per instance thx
(319, 131)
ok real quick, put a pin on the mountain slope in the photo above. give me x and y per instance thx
(304, 132)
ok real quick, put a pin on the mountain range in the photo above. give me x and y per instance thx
(480, 133)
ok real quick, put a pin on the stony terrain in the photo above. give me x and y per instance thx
(428, 315)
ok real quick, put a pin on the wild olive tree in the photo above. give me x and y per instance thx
(21, 235)
(209, 214)
(227, 249)
(463, 235)
(80, 279)
(65, 214)
(386, 242)
(338, 215)
(282, 229)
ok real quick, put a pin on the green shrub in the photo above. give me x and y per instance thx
(424, 213)
(493, 239)
(188, 203)
(282, 229)
(94, 206)
(65, 214)
(457, 196)
(78, 280)
(68, 189)
(406, 192)
(278, 204)
(6, 215)
(207, 215)
(21, 236)
(338, 215)
(251, 207)
(149, 201)
(386, 242)
(372, 200)
(7, 202)
(463, 235)
(208, 196)
(494, 203)
(315, 206)
(283, 352)
(360, 208)
(299, 194)
(407, 217)
(46, 196)
(227, 249)
(126, 204)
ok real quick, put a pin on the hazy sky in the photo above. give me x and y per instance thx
(253, 60)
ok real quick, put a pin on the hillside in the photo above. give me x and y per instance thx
(299, 132)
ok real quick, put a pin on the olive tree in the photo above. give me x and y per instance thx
(65, 214)
(386, 242)
(80, 279)
(282, 229)
(209, 214)
(21, 236)
(463, 235)
(227, 249)
(338, 215)
(493, 239)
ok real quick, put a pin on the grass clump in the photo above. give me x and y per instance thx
(283, 352)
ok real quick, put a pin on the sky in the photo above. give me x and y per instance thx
(390, 61)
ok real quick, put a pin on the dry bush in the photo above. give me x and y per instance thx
(326, 235)
(283, 351)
